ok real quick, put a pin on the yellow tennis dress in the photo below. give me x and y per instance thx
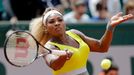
(78, 59)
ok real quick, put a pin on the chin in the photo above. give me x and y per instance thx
(58, 34)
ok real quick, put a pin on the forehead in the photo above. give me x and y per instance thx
(54, 15)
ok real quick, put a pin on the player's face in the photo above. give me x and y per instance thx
(112, 72)
(55, 25)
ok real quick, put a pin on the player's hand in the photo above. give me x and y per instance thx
(118, 18)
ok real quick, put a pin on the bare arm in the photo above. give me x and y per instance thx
(54, 61)
(95, 44)
(103, 44)
(56, 57)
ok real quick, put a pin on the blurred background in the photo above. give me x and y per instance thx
(88, 16)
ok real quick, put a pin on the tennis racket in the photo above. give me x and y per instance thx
(21, 49)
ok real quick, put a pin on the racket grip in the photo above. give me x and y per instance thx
(45, 53)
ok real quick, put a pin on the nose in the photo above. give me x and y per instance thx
(57, 23)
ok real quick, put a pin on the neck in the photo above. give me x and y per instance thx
(61, 39)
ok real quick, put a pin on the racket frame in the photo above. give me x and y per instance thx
(37, 44)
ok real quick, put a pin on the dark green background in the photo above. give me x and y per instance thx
(124, 33)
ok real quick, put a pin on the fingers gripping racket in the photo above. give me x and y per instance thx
(21, 49)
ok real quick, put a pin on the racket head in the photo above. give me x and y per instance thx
(20, 49)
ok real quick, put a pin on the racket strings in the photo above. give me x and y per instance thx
(21, 49)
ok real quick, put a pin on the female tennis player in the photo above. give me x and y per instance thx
(52, 28)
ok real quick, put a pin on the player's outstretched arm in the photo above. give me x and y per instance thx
(106, 39)
(103, 44)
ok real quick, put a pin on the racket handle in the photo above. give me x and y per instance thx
(43, 54)
(50, 51)
(54, 52)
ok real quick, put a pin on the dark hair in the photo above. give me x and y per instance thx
(100, 6)
(49, 9)
(129, 6)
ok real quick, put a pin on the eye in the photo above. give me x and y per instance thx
(60, 20)
(51, 21)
